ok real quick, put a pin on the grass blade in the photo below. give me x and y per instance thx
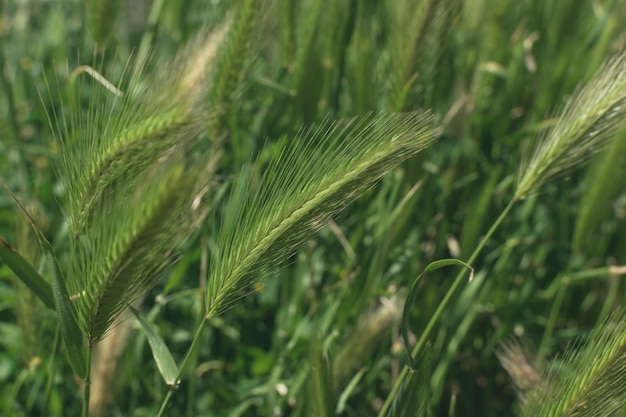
(413, 294)
(26, 273)
(162, 356)
(414, 395)
(342, 401)
(321, 387)
(601, 189)
(66, 312)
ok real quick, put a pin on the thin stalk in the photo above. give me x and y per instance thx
(191, 392)
(554, 312)
(183, 365)
(14, 125)
(11, 398)
(442, 305)
(148, 35)
(87, 386)
(609, 300)
(452, 407)
(51, 373)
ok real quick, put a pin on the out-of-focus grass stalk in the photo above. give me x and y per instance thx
(14, 124)
(150, 32)
(440, 308)
(554, 313)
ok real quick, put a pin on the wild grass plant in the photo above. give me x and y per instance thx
(274, 196)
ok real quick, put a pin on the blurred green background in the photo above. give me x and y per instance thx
(495, 72)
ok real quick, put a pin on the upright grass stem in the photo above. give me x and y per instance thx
(183, 365)
(153, 20)
(14, 125)
(51, 374)
(87, 386)
(193, 378)
(554, 312)
(442, 305)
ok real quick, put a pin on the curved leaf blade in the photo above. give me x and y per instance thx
(66, 314)
(162, 356)
(413, 294)
(25, 272)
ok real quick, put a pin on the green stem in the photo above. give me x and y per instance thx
(191, 392)
(11, 395)
(7, 86)
(148, 35)
(442, 305)
(188, 355)
(554, 312)
(51, 373)
(87, 386)
(609, 300)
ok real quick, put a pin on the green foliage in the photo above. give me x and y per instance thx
(414, 393)
(322, 391)
(602, 188)
(273, 119)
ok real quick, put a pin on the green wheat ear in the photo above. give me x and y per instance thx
(135, 180)
(119, 138)
(592, 115)
(133, 244)
(590, 381)
(321, 171)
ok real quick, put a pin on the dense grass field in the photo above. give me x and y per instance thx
(312, 208)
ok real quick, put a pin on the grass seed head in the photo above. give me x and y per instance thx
(591, 116)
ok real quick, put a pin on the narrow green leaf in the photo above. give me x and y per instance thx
(415, 392)
(321, 387)
(162, 356)
(26, 273)
(348, 391)
(66, 313)
(601, 189)
(413, 294)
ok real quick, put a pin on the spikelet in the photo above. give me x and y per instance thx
(121, 137)
(325, 168)
(519, 365)
(135, 181)
(589, 381)
(592, 115)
